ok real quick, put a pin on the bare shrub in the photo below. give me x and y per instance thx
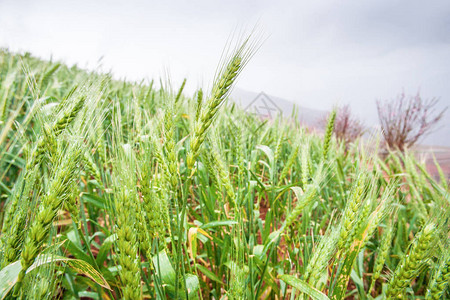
(347, 128)
(406, 119)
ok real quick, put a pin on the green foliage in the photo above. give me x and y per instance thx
(133, 191)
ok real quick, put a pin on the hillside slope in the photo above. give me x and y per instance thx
(162, 196)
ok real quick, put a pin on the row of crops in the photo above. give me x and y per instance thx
(129, 190)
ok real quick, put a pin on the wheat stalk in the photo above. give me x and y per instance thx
(328, 133)
(220, 91)
(383, 253)
(441, 279)
(58, 193)
(411, 263)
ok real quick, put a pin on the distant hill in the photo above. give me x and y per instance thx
(269, 106)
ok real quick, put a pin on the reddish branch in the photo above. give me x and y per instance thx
(406, 119)
(347, 128)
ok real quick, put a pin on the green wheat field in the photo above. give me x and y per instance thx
(131, 190)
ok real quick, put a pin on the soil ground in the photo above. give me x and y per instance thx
(442, 155)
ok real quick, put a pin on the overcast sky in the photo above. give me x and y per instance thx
(317, 53)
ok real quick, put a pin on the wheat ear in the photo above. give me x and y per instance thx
(58, 192)
(410, 266)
